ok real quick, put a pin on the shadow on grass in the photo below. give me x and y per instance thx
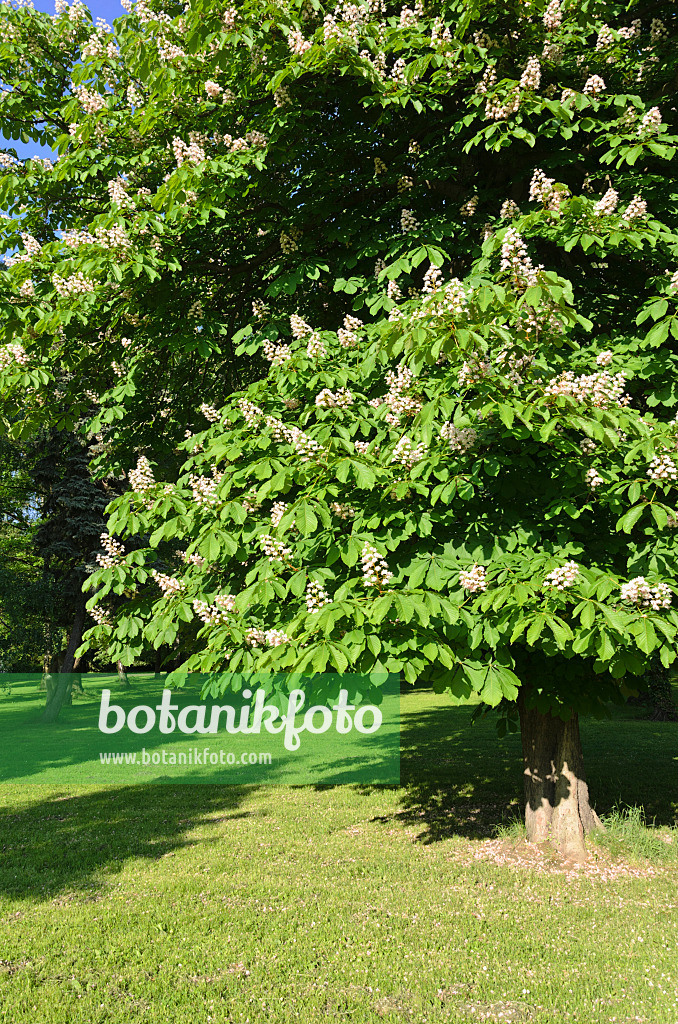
(69, 841)
(459, 779)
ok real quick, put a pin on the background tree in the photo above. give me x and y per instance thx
(507, 167)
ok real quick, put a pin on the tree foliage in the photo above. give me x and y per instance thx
(471, 479)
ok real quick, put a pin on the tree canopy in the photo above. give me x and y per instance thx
(376, 309)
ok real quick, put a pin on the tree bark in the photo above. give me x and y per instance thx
(59, 690)
(557, 807)
(122, 675)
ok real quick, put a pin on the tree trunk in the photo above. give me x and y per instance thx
(122, 675)
(158, 663)
(557, 806)
(59, 691)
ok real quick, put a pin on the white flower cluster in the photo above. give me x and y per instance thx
(407, 454)
(509, 209)
(474, 580)
(515, 259)
(327, 399)
(460, 439)
(605, 38)
(349, 335)
(600, 389)
(531, 76)
(141, 479)
(276, 354)
(472, 371)
(593, 479)
(11, 354)
(362, 446)
(316, 596)
(440, 33)
(114, 552)
(266, 637)
(607, 205)
(651, 122)
(305, 446)
(553, 16)
(259, 309)
(379, 166)
(204, 488)
(31, 245)
(134, 97)
(210, 413)
(192, 559)
(404, 184)
(91, 102)
(587, 446)
(673, 283)
(117, 191)
(468, 208)
(229, 18)
(433, 280)
(213, 89)
(297, 43)
(376, 572)
(636, 208)
(543, 191)
(639, 592)
(76, 284)
(251, 412)
(398, 401)
(604, 358)
(277, 512)
(168, 51)
(594, 86)
(274, 549)
(495, 110)
(563, 577)
(7, 160)
(192, 154)
(215, 614)
(169, 585)
(662, 469)
(567, 95)
(100, 616)
(300, 329)
(27, 289)
(342, 511)
(408, 222)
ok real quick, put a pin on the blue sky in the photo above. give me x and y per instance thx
(108, 9)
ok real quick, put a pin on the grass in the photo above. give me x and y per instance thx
(245, 904)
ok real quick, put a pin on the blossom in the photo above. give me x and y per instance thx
(297, 43)
(651, 122)
(277, 512)
(605, 38)
(315, 348)
(213, 90)
(469, 207)
(276, 354)
(76, 284)
(594, 86)
(553, 16)
(341, 510)
(563, 577)
(673, 284)
(251, 412)
(593, 478)
(474, 580)
(433, 280)
(543, 190)
(602, 389)
(662, 468)
(636, 208)
(515, 259)
(509, 209)
(215, 614)
(607, 205)
(299, 327)
(316, 596)
(210, 413)
(408, 222)
(379, 165)
(459, 439)
(327, 399)
(229, 18)
(407, 454)
(114, 552)
(274, 549)
(90, 101)
(169, 585)
(376, 572)
(587, 446)
(349, 334)
(531, 76)
(604, 358)
(204, 488)
(567, 95)
(141, 479)
(13, 353)
(637, 591)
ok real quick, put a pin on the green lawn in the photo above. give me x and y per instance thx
(236, 904)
